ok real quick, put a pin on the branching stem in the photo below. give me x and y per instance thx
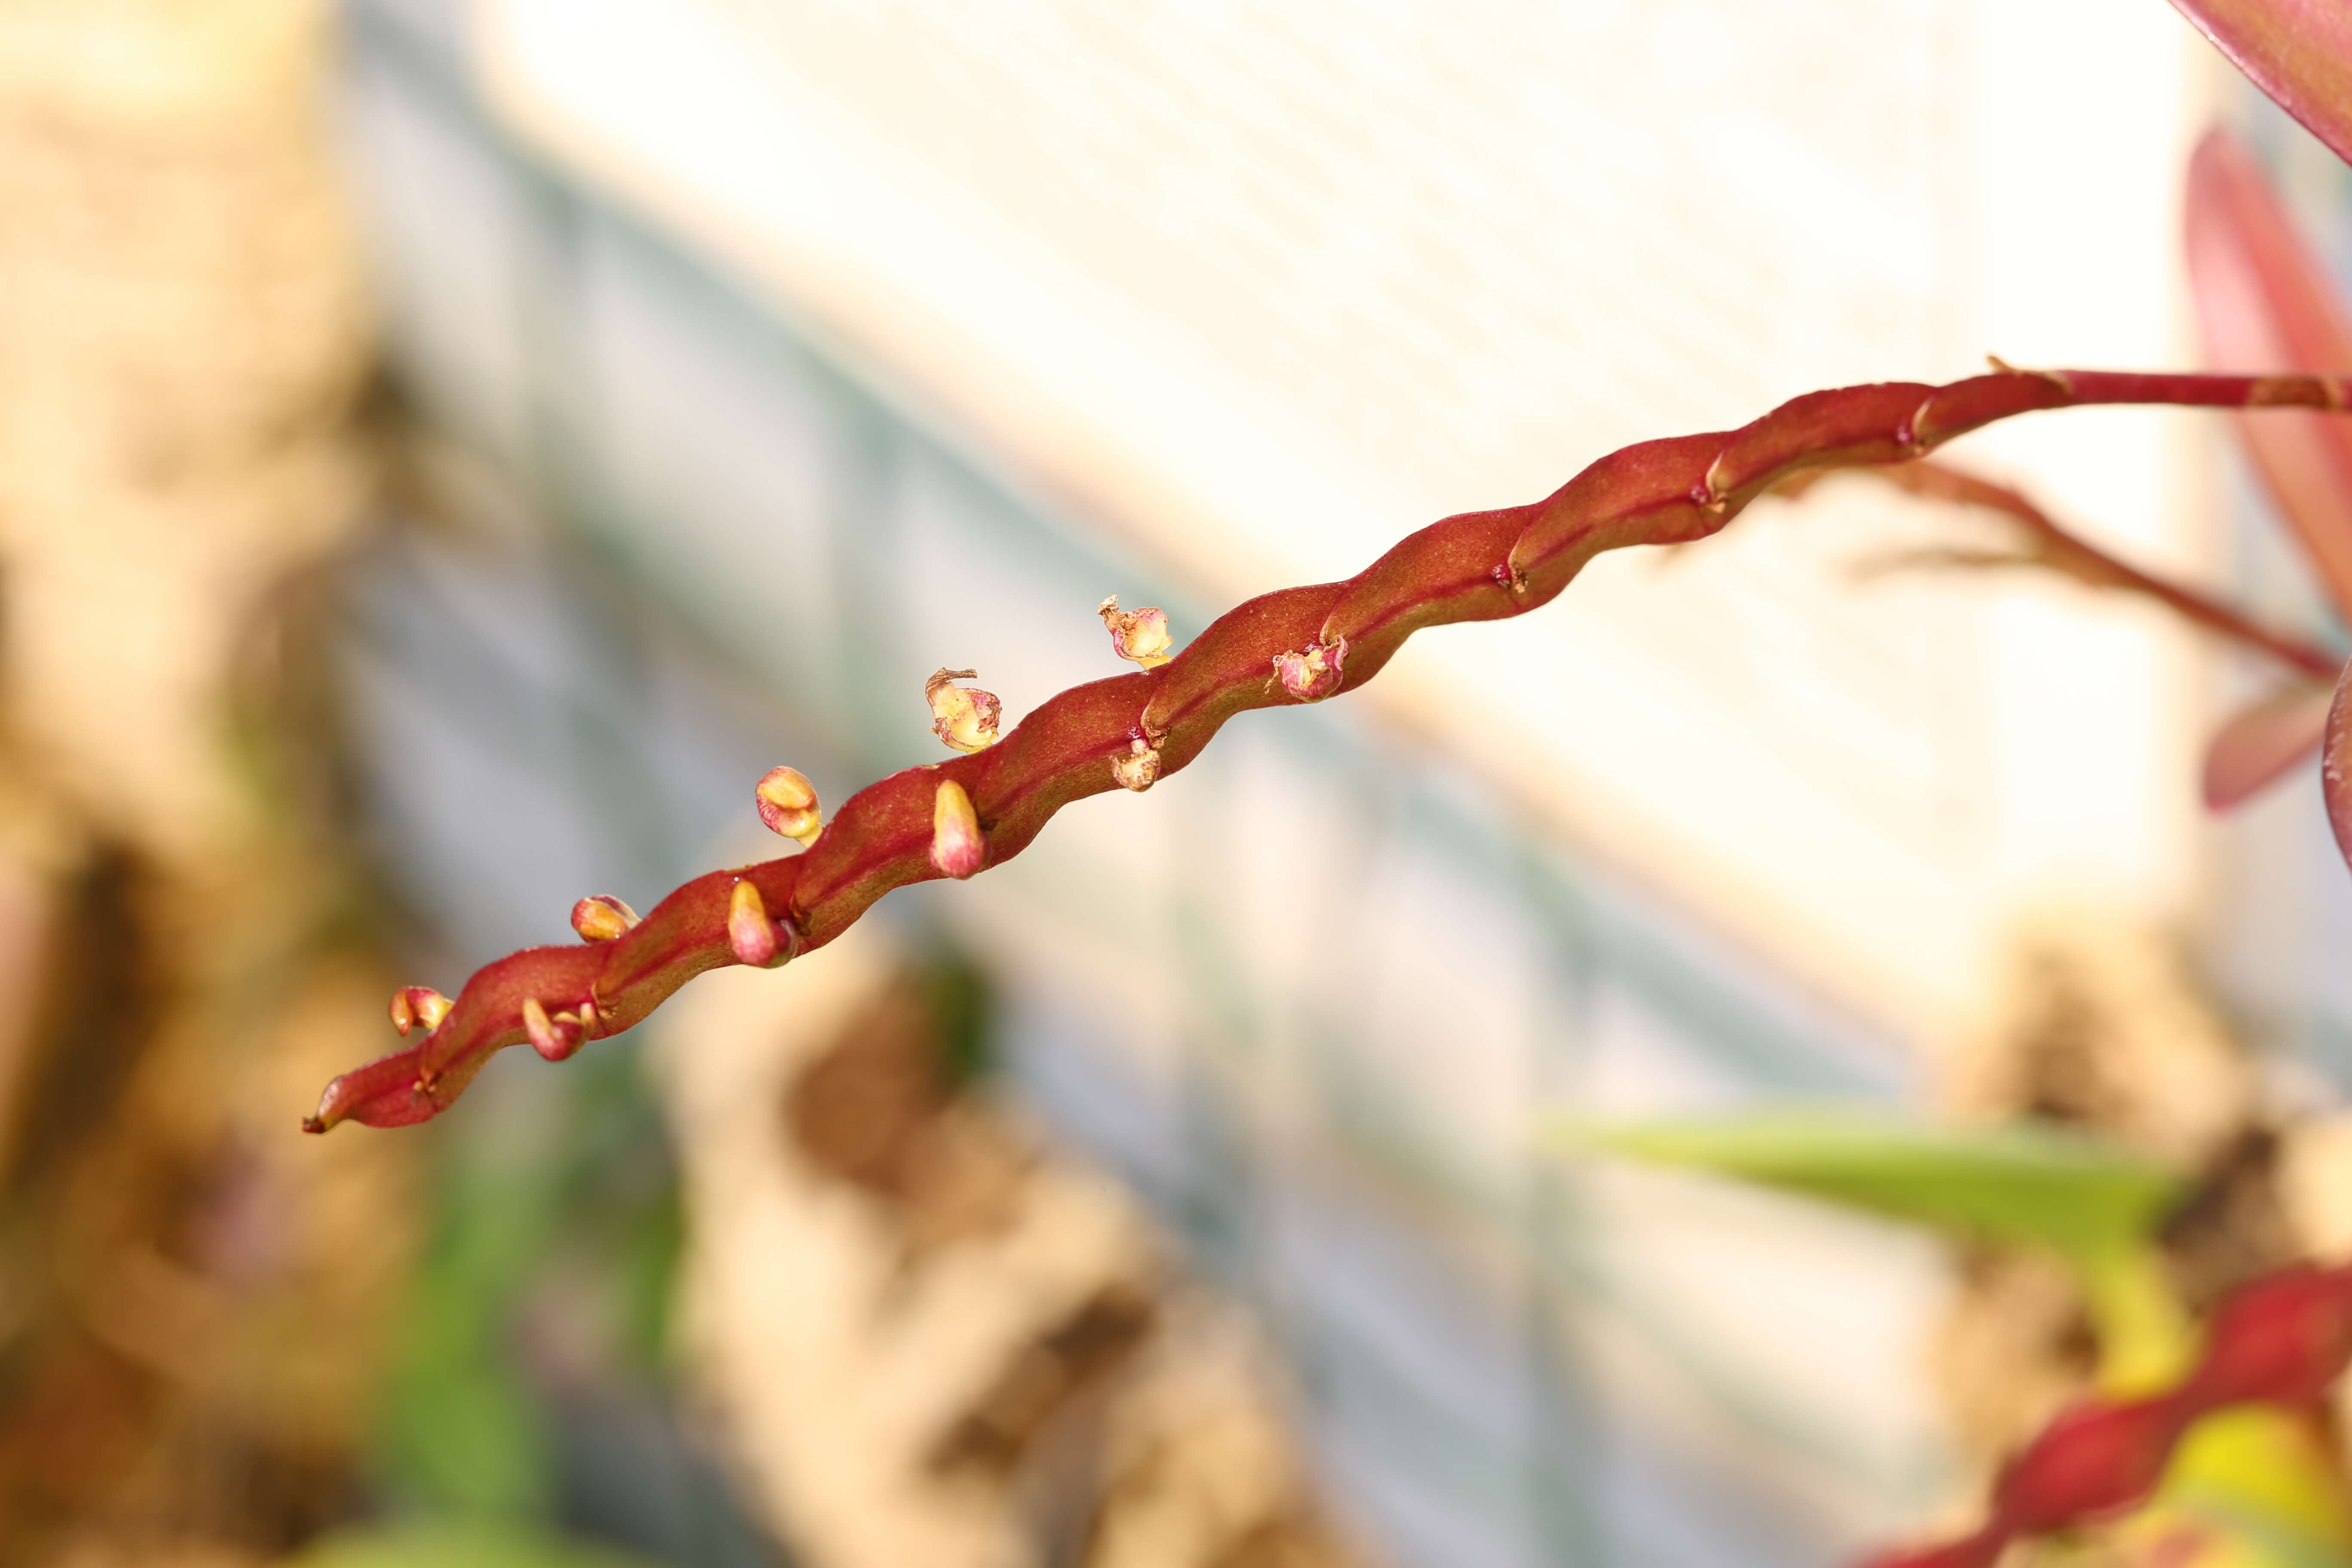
(2050, 545)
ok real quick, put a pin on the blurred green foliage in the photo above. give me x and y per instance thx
(575, 1211)
(960, 998)
(2014, 1184)
(544, 1300)
(461, 1546)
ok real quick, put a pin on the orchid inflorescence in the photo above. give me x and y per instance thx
(956, 817)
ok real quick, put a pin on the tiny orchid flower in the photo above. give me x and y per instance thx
(1139, 637)
(1138, 769)
(964, 717)
(1314, 672)
(418, 1005)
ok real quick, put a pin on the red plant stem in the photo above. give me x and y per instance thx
(2058, 548)
(1334, 636)
(2280, 1339)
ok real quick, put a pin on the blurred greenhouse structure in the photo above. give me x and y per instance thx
(1328, 1004)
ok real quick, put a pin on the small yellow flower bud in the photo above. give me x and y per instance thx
(957, 848)
(964, 717)
(1138, 769)
(539, 1027)
(1138, 636)
(554, 1038)
(787, 803)
(750, 932)
(415, 1005)
(1314, 672)
(601, 917)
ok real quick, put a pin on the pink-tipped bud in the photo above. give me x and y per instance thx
(787, 803)
(1138, 769)
(1314, 672)
(539, 1027)
(750, 932)
(964, 717)
(1138, 635)
(601, 917)
(957, 846)
(414, 1004)
(554, 1038)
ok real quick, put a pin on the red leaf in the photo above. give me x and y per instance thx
(2298, 51)
(2336, 764)
(2261, 742)
(2265, 303)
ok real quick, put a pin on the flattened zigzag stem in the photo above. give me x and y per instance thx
(1292, 645)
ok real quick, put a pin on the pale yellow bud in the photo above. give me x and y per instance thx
(554, 1038)
(601, 917)
(750, 932)
(957, 848)
(787, 803)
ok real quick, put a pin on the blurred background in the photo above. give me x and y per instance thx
(448, 451)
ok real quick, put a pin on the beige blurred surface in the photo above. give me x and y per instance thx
(196, 1298)
(183, 337)
(931, 1340)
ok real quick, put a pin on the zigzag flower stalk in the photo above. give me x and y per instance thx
(2281, 1340)
(957, 817)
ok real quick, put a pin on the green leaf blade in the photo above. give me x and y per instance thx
(2012, 1183)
